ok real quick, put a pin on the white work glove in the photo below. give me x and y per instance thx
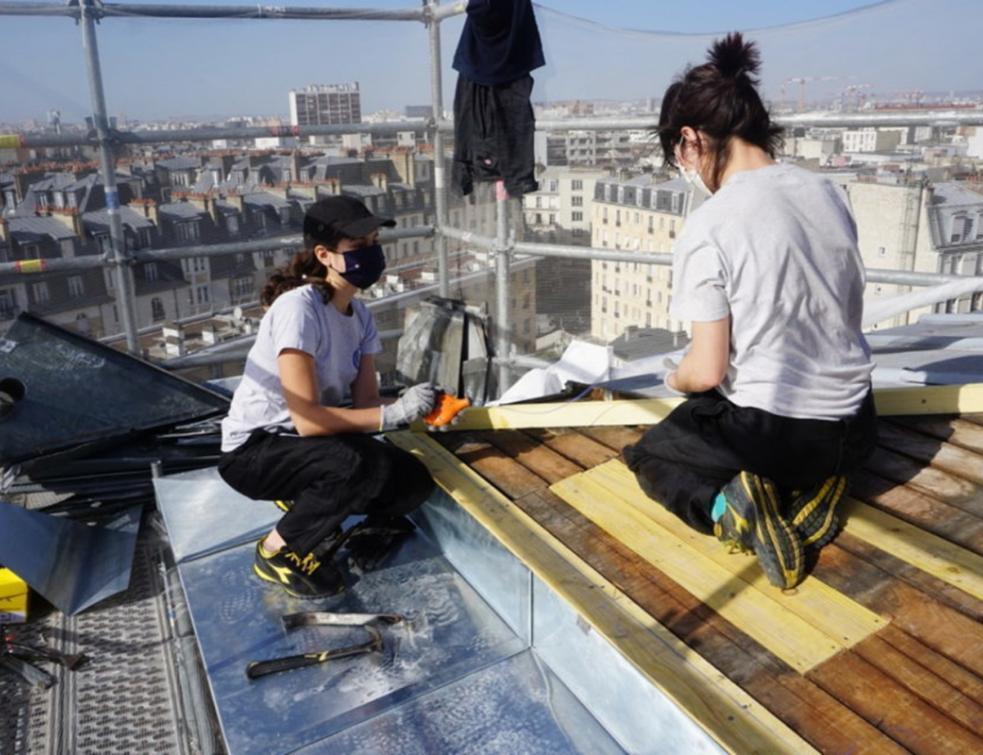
(671, 365)
(415, 403)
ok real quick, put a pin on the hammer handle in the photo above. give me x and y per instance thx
(256, 669)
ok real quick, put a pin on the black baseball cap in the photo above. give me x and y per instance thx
(344, 215)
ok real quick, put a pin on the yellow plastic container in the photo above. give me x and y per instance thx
(13, 598)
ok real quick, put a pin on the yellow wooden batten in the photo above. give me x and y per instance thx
(731, 716)
(803, 629)
(939, 399)
(932, 554)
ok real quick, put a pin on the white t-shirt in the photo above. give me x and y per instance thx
(298, 319)
(776, 249)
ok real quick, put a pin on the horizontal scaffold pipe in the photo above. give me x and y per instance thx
(884, 119)
(906, 278)
(236, 349)
(39, 9)
(54, 265)
(874, 275)
(590, 253)
(260, 245)
(206, 134)
(29, 267)
(400, 300)
(251, 12)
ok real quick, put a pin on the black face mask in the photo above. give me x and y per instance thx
(364, 266)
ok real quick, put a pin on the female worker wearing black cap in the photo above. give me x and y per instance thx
(287, 437)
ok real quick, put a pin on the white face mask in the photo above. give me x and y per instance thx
(693, 177)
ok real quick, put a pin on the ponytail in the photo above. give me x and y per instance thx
(720, 99)
(302, 269)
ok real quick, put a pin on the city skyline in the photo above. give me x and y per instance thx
(236, 67)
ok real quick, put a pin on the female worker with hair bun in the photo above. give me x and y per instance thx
(288, 437)
(777, 374)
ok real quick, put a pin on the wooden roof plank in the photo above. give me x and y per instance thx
(940, 454)
(904, 470)
(574, 446)
(940, 627)
(956, 430)
(533, 455)
(931, 688)
(614, 438)
(919, 509)
(892, 708)
(930, 553)
(900, 570)
(959, 677)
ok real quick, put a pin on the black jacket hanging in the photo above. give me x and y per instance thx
(494, 124)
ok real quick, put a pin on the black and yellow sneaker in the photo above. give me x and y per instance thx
(751, 522)
(302, 577)
(284, 504)
(813, 513)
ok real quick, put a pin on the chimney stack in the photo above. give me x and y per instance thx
(146, 207)
(380, 179)
(330, 186)
(69, 216)
(405, 161)
(205, 201)
(295, 167)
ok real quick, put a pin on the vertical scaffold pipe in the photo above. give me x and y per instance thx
(439, 163)
(121, 269)
(503, 342)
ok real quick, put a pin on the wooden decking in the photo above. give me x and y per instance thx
(880, 649)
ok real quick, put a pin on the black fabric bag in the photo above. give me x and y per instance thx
(494, 135)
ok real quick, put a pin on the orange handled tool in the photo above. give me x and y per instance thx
(447, 408)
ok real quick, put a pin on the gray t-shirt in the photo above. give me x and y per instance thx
(298, 319)
(776, 249)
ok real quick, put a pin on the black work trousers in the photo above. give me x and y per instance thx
(686, 459)
(328, 477)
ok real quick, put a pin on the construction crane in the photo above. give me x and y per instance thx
(856, 92)
(802, 81)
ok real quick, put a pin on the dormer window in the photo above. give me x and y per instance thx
(187, 231)
(960, 228)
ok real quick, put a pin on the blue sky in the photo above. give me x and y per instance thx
(156, 69)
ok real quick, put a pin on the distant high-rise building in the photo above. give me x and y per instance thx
(326, 105)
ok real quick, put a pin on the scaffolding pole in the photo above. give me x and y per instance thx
(124, 294)
(439, 161)
(503, 345)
